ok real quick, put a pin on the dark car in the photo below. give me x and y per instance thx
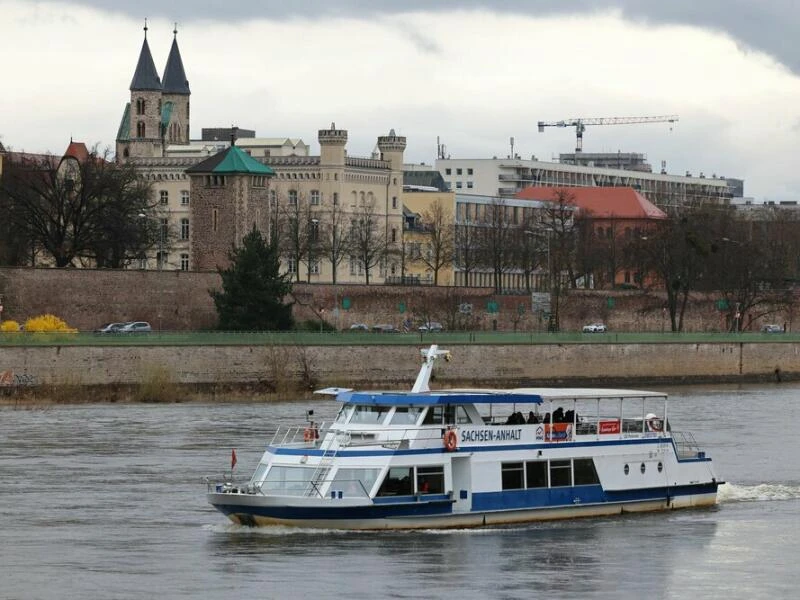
(384, 328)
(109, 328)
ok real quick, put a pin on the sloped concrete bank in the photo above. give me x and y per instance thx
(254, 372)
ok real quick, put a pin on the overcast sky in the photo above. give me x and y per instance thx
(473, 73)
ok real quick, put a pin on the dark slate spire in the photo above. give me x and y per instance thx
(145, 77)
(175, 81)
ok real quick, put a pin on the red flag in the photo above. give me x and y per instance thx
(233, 459)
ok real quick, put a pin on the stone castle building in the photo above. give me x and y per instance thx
(193, 185)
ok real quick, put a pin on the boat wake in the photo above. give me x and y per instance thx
(763, 492)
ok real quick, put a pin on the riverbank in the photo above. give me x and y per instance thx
(78, 374)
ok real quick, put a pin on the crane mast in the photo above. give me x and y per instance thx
(580, 124)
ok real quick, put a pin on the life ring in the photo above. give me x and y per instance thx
(655, 424)
(450, 440)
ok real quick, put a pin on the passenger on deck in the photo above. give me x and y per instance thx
(532, 418)
(558, 415)
(546, 418)
(569, 416)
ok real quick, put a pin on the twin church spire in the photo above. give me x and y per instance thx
(146, 78)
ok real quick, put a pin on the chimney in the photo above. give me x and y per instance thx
(234, 129)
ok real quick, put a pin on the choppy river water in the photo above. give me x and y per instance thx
(107, 501)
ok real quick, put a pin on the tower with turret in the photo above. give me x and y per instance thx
(158, 112)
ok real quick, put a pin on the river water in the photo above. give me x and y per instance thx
(107, 501)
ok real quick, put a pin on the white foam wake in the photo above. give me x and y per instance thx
(763, 492)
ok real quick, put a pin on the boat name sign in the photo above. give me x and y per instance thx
(491, 435)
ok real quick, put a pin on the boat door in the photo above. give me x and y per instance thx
(462, 483)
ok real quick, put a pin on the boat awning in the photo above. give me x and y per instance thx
(434, 398)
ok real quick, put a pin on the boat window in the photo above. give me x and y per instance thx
(398, 482)
(259, 474)
(405, 415)
(430, 480)
(512, 476)
(355, 483)
(292, 481)
(560, 473)
(536, 473)
(585, 473)
(462, 416)
(434, 416)
(370, 415)
(344, 414)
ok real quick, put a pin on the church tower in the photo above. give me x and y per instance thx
(175, 97)
(140, 131)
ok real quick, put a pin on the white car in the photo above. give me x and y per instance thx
(430, 327)
(595, 328)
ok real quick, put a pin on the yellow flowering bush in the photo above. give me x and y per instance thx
(9, 326)
(48, 323)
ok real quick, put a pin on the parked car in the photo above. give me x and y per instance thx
(359, 327)
(109, 328)
(385, 328)
(595, 328)
(136, 327)
(771, 328)
(430, 326)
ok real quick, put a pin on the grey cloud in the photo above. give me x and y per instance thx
(768, 26)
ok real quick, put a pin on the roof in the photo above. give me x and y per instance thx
(124, 131)
(425, 178)
(175, 81)
(438, 397)
(77, 150)
(231, 160)
(145, 77)
(600, 202)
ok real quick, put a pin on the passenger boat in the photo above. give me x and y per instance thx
(470, 458)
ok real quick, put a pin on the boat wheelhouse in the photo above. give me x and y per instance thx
(472, 457)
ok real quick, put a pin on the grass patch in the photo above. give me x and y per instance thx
(157, 385)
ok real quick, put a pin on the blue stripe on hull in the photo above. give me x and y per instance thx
(494, 502)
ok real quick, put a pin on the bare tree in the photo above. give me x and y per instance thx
(298, 234)
(467, 249)
(558, 223)
(496, 237)
(334, 242)
(368, 238)
(78, 209)
(437, 223)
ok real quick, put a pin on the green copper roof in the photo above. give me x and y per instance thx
(166, 115)
(124, 131)
(232, 160)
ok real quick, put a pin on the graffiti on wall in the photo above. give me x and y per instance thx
(9, 378)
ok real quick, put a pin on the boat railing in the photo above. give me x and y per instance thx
(332, 438)
(685, 445)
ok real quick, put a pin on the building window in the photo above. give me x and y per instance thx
(469, 171)
(394, 201)
(315, 197)
(273, 197)
(458, 185)
(313, 267)
(259, 181)
(469, 185)
(356, 268)
(292, 197)
(185, 198)
(214, 220)
(448, 171)
(336, 198)
(394, 234)
(140, 106)
(291, 266)
(184, 262)
(458, 171)
(162, 258)
(142, 263)
(184, 229)
(140, 130)
(164, 197)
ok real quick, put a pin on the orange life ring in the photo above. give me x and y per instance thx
(450, 440)
(655, 424)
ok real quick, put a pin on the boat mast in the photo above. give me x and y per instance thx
(429, 356)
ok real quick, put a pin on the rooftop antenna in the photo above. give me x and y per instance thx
(511, 140)
(145, 28)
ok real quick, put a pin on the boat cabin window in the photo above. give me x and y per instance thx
(292, 481)
(446, 415)
(344, 414)
(430, 480)
(560, 473)
(584, 471)
(536, 473)
(399, 482)
(259, 474)
(554, 473)
(355, 483)
(512, 476)
(370, 414)
(405, 415)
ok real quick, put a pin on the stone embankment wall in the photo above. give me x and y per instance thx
(298, 368)
(178, 300)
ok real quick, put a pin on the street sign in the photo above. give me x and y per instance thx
(401, 307)
(492, 307)
(346, 303)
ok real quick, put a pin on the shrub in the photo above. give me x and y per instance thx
(48, 323)
(9, 326)
(156, 385)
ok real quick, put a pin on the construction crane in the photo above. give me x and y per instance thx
(580, 124)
